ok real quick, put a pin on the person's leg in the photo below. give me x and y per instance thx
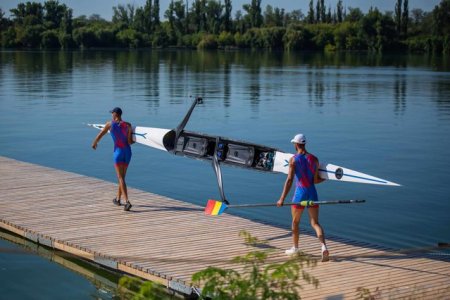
(296, 216)
(121, 180)
(119, 193)
(314, 219)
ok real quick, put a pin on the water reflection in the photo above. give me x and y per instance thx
(399, 93)
(150, 76)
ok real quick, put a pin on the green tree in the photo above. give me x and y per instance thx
(318, 11)
(155, 14)
(254, 13)
(257, 280)
(323, 10)
(30, 36)
(9, 38)
(354, 15)
(85, 37)
(213, 16)
(405, 19)
(310, 16)
(50, 39)
(123, 15)
(31, 13)
(398, 16)
(441, 17)
(227, 20)
(340, 11)
(441, 27)
(54, 14)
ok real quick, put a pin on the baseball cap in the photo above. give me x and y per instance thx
(299, 139)
(116, 110)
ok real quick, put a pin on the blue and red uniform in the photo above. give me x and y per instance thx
(122, 150)
(305, 167)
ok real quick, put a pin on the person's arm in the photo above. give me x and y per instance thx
(288, 183)
(317, 178)
(100, 135)
(130, 134)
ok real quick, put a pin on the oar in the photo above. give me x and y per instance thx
(216, 208)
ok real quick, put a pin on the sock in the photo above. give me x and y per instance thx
(324, 247)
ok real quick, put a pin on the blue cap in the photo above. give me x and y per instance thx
(116, 110)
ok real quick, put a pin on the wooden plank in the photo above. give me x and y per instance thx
(155, 240)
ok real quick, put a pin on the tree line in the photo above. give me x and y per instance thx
(209, 24)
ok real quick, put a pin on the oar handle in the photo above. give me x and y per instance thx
(302, 203)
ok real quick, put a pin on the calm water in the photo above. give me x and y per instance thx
(49, 274)
(388, 116)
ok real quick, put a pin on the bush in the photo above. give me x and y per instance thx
(322, 35)
(105, 37)
(226, 39)
(160, 38)
(273, 37)
(66, 41)
(50, 39)
(136, 289)
(30, 36)
(240, 41)
(417, 44)
(208, 41)
(257, 279)
(9, 38)
(346, 36)
(85, 38)
(298, 38)
(129, 38)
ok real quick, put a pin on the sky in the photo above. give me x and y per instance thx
(104, 7)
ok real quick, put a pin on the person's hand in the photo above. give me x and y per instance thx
(94, 145)
(280, 202)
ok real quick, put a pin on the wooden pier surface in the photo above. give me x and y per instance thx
(167, 240)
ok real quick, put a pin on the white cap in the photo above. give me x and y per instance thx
(299, 139)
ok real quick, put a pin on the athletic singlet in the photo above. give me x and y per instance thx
(305, 169)
(122, 150)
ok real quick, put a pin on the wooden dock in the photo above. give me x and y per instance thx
(166, 240)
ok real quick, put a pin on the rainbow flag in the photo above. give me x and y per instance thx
(214, 208)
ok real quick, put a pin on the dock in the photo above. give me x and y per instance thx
(166, 240)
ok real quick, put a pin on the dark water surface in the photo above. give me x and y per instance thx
(388, 116)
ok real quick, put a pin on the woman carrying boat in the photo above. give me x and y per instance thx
(305, 167)
(121, 133)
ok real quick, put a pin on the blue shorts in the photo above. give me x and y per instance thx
(122, 156)
(304, 194)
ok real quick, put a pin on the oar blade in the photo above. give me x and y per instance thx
(215, 208)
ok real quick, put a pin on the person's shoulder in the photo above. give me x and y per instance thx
(313, 157)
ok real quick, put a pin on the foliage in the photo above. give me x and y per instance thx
(258, 278)
(208, 24)
(136, 289)
(50, 39)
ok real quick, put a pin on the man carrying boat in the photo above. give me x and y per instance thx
(305, 168)
(121, 133)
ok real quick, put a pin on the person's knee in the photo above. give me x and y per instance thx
(314, 223)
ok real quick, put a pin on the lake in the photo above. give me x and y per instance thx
(385, 115)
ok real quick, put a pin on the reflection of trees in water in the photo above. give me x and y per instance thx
(315, 87)
(226, 84)
(45, 75)
(400, 94)
(441, 95)
(136, 74)
(254, 88)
